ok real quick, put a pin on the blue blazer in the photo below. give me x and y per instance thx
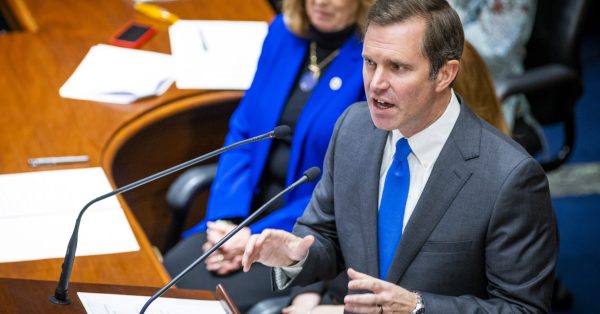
(239, 170)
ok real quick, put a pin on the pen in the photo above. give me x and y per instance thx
(203, 40)
(48, 161)
(155, 12)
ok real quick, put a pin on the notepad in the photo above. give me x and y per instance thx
(216, 54)
(38, 212)
(119, 75)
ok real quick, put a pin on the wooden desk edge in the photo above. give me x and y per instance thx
(31, 296)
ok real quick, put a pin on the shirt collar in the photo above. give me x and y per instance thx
(428, 143)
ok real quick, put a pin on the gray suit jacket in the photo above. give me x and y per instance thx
(482, 237)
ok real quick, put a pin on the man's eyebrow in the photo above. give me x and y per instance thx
(397, 63)
(389, 61)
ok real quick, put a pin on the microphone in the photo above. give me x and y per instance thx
(309, 175)
(62, 289)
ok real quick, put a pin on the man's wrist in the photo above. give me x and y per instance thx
(420, 306)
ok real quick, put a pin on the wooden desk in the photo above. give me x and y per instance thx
(36, 122)
(31, 296)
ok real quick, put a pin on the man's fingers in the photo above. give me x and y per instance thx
(275, 248)
(305, 244)
(363, 299)
(264, 236)
(353, 274)
(301, 248)
(367, 309)
(248, 257)
(363, 303)
(361, 281)
(370, 284)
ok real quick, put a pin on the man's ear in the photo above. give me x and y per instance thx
(446, 75)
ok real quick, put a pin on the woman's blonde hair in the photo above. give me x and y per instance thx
(296, 19)
(475, 85)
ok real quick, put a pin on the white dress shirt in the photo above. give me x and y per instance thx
(426, 147)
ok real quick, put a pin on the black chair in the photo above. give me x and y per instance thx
(180, 197)
(552, 81)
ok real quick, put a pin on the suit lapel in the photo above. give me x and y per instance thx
(371, 153)
(448, 176)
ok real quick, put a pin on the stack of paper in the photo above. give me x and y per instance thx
(38, 212)
(119, 75)
(100, 303)
(216, 54)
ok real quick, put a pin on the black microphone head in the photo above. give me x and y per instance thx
(312, 173)
(281, 131)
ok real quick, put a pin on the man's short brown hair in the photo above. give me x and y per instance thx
(444, 36)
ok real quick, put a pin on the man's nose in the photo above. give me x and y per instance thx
(379, 81)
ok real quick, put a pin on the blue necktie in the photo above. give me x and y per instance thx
(391, 208)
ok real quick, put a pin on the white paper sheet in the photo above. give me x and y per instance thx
(119, 75)
(38, 212)
(99, 303)
(216, 54)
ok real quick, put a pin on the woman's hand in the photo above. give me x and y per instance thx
(228, 258)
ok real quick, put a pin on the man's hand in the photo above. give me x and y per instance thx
(229, 257)
(303, 303)
(386, 297)
(275, 248)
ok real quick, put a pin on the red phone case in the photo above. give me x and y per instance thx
(148, 33)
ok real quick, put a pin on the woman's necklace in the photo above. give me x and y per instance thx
(309, 79)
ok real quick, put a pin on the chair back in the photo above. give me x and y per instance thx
(556, 36)
(556, 39)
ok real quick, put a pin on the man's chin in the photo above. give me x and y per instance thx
(382, 124)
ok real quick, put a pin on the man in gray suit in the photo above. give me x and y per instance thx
(476, 232)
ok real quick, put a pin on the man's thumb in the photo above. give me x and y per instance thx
(306, 242)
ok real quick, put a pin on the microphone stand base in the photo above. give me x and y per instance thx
(58, 301)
